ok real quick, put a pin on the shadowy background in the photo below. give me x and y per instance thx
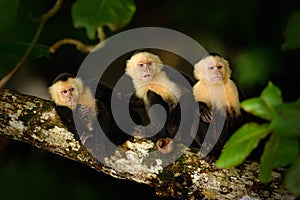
(250, 34)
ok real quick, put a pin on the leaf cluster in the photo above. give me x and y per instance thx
(282, 130)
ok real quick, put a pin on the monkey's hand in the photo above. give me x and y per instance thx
(145, 131)
(205, 113)
(83, 110)
(84, 136)
(165, 145)
(86, 114)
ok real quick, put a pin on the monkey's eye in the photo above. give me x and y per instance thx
(72, 89)
(149, 64)
(210, 67)
(64, 92)
(219, 66)
(141, 65)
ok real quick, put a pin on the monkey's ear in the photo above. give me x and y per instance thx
(156, 59)
(227, 68)
(198, 70)
(53, 91)
(78, 83)
(129, 66)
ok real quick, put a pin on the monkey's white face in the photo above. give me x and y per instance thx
(214, 69)
(215, 72)
(69, 95)
(145, 70)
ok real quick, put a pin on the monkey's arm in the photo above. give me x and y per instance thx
(154, 118)
(205, 112)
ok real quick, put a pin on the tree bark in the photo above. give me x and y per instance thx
(34, 120)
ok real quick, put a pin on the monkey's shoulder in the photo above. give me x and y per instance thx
(201, 92)
(156, 98)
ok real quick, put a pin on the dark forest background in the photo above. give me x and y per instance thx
(252, 35)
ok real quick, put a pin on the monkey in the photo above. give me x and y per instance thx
(68, 91)
(153, 84)
(219, 100)
(74, 98)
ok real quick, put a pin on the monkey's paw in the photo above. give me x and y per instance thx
(144, 131)
(165, 145)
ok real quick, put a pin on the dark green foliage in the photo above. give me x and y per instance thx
(18, 25)
(93, 14)
(19, 48)
(292, 32)
(282, 147)
(240, 145)
(255, 66)
(8, 14)
(292, 180)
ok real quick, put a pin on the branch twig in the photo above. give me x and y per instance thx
(78, 44)
(44, 18)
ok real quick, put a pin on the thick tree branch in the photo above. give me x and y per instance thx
(35, 121)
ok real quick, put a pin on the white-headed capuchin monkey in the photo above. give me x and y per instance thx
(154, 85)
(69, 91)
(218, 99)
(73, 98)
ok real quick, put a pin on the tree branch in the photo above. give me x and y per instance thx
(35, 121)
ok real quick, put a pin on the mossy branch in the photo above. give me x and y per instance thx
(34, 120)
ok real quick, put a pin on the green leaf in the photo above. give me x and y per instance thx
(241, 143)
(292, 180)
(256, 106)
(287, 122)
(287, 151)
(292, 32)
(8, 14)
(97, 13)
(278, 152)
(271, 95)
(268, 159)
(19, 48)
(264, 106)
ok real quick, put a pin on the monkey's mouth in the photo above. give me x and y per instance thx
(217, 77)
(70, 101)
(147, 77)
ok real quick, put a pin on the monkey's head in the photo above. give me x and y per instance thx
(65, 90)
(143, 66)
(213, 68)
